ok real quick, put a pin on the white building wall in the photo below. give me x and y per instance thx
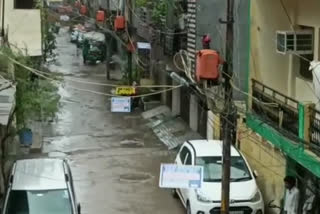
(281, 72)
(23, 27)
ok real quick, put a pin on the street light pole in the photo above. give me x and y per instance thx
(229, 111)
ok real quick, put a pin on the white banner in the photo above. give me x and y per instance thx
(180, 176)
(121, 104)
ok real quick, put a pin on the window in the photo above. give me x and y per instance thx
(188, 160)
(305, 43)
(213, 169)
(44, 202)
(183, 154)
(304, 66)
(24, 4)
(299, 42)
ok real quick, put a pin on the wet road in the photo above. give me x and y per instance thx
(111, 174)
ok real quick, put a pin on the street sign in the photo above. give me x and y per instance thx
(125, 91)
(120, 104)
(181, 176)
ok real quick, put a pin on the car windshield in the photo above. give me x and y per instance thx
(213, 169)
(39, 202)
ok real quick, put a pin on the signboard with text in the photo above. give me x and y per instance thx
(120, 104)
(181, 176)
(125, 91)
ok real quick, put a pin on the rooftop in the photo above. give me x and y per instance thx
(39, 174)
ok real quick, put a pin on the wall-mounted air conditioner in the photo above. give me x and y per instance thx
(299, 42)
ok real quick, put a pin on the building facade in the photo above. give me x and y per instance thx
(21, 21)
(280, 134)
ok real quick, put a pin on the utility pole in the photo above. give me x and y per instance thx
(229, 111)
(109, 38)
(129, 9)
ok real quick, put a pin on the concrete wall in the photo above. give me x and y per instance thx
(193, 122)
(278, 71)
(267, 161)
(24, 28)
(208, 15)
(213, 126)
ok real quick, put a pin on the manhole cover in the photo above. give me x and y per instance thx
(132, 143)
(135, 177)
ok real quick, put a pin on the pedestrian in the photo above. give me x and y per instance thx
(291, 203)
(206, 41)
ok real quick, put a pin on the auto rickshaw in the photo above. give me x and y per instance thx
(94, 48)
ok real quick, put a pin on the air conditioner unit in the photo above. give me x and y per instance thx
(299, 42)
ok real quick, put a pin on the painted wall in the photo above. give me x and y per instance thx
(267, 161)
(208, 15)
(278, 71)
(24, 28)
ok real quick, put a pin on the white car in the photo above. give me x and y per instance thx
(245, 196)
(39, 186)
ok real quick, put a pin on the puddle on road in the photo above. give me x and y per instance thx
(135, 177)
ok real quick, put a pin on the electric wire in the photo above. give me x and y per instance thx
(34, 71)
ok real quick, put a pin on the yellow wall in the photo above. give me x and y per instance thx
(24, 28)
(269, 163)
(273, 69)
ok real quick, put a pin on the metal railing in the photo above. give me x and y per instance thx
(314, 131)
(282, 114)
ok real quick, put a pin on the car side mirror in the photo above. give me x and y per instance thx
(79, 209)
(255, 174)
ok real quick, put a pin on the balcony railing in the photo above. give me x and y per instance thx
(314, 131)
(281, 111)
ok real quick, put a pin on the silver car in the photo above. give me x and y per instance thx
(41, 186)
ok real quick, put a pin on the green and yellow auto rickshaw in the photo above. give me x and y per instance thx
(94, 48)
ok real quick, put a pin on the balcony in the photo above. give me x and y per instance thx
(279, 110)
(314, 131)
(298, 122)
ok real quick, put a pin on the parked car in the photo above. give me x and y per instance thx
(41, 186)
(245, 196)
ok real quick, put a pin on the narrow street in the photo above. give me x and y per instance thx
(112, 174)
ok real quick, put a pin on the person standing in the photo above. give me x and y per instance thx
(291, 203)
(206, 39)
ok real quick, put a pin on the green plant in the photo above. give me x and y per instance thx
(36, 98)
(159, 12)
(141, 3)
(48, 35)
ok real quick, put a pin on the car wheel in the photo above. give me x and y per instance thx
(174, 193)
(188, 208)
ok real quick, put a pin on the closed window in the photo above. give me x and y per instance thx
(24, 4)
(306, 58)
(304, 66)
